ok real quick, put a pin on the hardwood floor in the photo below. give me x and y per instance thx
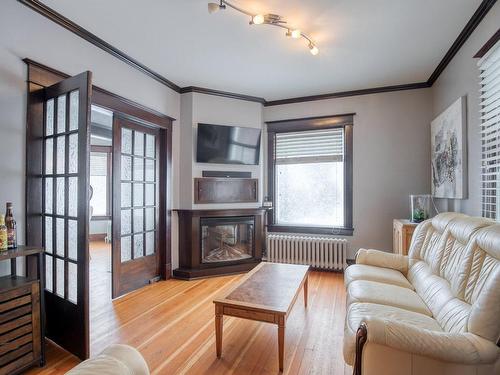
(172, 325)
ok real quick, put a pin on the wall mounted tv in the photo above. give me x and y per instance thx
(227, 145)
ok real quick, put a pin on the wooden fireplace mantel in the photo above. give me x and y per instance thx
(190, 262)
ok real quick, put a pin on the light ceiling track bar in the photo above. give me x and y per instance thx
(266, 19)
(58, 18)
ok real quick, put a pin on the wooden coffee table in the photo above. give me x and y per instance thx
(266, 294)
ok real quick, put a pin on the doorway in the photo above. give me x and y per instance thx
(100, 209)
(71, 147)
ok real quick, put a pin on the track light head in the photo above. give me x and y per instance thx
(214, 7)
(294, 33)
(313, 49)
(258, 19)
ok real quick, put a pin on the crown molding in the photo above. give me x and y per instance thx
(466, 32)
(343, 94)
(488, 45)
(225, 94)
(59, 19)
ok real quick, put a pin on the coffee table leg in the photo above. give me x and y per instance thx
(218, 329)
(281, 340)
(305, 291)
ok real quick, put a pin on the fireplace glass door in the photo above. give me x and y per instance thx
(227, 239)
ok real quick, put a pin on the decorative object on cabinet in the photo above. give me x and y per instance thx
(22, 312)
(420, 206)
(402, 234)
(449, 152)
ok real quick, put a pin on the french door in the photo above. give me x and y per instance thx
(64, 196)
(136, 205)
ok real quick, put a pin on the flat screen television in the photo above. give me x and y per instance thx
(227, 145)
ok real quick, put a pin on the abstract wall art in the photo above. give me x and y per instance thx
(449, 152)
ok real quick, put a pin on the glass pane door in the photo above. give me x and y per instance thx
(65, 212)
(136, 215)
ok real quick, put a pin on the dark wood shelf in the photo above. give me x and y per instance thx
(20, 251)
(22, 312)
(10, 282)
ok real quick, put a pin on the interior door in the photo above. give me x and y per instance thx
(136, 206)
(65, 212)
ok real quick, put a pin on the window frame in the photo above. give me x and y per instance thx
(109, 151)
(344, 121)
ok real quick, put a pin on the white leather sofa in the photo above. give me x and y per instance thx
(114, 360)
(435, 311)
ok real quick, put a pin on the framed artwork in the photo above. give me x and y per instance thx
(449, 152)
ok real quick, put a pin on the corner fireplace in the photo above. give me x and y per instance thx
(227, 239)
(218, 242)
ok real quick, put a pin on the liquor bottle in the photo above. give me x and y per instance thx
(3, 234)
(11, 225)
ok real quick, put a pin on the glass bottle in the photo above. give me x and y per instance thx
(11, 225)
(3, 234)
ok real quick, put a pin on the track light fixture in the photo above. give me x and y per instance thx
(266, 19)
(214, 7)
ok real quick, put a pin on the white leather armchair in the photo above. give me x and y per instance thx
(114, 360)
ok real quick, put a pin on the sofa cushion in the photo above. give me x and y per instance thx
(425, 239)
(378, 274)
(482, 288)
(386, 294)
(456, 255)
(357, 312)
(433, 289)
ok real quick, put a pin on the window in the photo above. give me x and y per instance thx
(489, 66)
(100, 165)
(310, 175)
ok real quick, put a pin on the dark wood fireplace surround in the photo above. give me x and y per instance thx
(190, 257)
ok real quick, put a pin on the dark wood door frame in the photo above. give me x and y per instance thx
(108, 150)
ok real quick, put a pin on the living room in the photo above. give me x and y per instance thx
(194, 184)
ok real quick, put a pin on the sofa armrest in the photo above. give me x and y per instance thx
(382, 259)
(460, 348)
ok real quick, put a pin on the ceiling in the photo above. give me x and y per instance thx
(363, 43)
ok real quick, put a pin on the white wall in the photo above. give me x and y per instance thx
(461, 77)
(201, 108)
(391, 141)
(24, 33)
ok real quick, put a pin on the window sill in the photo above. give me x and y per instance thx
(100, 218)
(311, 230)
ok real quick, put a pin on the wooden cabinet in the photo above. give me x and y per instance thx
(21, 314)
(402, 234)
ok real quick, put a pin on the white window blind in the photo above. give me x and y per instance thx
(98, 164)
(489, 67)
(313, 146)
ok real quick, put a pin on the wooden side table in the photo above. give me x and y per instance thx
(22, 312)
(402, 233)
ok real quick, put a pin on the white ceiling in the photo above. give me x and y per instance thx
(363, 43)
